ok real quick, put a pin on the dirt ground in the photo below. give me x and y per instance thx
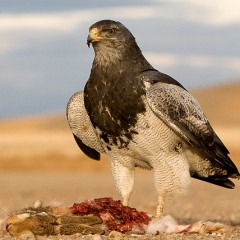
(39, 160)
(203, 202)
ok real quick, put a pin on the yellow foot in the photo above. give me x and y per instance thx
(125, 200)
(160, 203)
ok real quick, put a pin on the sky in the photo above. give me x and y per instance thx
(44, 58)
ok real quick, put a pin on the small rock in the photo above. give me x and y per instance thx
(114, 234)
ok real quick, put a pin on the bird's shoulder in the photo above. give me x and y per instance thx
(177, 107)
(153, 76)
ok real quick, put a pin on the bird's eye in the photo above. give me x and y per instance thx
(111, 30)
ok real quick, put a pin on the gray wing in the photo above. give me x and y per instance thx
(182, 113)
(178, 109)
(82, 128)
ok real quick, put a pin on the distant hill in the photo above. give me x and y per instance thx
(46, 143)
(221, 104)
(44, 123)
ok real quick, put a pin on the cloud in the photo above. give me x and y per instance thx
(200, 61)
(69, 20)
(165, 60)
(8, 45)
(60, 21)
(15, 28)
(219, 12)
(214, 12)
(41, 51)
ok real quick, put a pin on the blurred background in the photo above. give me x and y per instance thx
(44, 59)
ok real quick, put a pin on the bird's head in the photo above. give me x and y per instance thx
(113, 43)
(109, 33)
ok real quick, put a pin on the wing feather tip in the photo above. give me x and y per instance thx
(222, 182)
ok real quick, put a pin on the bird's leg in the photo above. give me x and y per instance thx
(125, 200)
(160, 203)
(124, 180)
(161, 190)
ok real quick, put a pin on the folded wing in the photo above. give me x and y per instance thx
(82, 128)
(182, 113)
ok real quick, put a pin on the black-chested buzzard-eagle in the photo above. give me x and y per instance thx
(141, 117)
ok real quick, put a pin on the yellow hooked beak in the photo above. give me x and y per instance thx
(93, 36)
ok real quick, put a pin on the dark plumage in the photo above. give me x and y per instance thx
(146, 118)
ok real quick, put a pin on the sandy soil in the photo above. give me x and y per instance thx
(203, 202)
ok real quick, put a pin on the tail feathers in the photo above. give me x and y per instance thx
(217, 152)
(237, 176)
(222, 156)
(225, 160)
(217, 155)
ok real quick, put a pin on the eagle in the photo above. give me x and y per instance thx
(140, 117)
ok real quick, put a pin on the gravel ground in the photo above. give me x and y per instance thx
(203, 202)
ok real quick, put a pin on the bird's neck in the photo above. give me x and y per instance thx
(125, 58)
